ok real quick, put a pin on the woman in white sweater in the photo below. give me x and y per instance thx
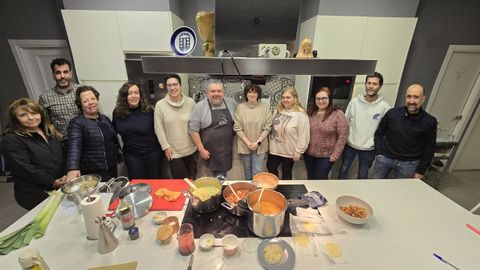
(290, 134)
(252, 123)
(171, 127)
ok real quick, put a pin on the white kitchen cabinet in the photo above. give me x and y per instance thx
(95, 44)
(385, 39)
(146, 31)
(339, 37)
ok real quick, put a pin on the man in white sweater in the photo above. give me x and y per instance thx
(363, 113)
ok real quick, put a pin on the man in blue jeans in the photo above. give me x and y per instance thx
(405, 139)
(363, 113)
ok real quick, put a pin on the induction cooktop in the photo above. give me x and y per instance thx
(222, 222)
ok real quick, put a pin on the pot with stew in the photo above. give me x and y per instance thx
(231, 202)
(207, 197)
(266, 217)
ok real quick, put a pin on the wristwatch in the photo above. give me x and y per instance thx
(258, 143)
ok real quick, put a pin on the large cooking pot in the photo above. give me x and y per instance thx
(227, 192)
(268, 223)
(212, 203)
(261, 224)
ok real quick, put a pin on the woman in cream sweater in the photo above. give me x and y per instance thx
(171, 126)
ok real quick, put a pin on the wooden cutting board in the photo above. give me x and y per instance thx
(161, 203)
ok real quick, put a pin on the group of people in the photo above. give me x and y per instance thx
(64, 135)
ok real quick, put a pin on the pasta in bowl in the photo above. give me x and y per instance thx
(353, 210)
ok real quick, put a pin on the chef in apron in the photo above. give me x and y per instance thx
(214, 139)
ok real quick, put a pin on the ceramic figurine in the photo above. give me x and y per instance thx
(305, 49)
(206, 30)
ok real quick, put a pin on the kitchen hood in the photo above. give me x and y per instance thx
(240, 26)
(255, 66)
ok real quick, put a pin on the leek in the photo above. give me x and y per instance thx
(36, 228)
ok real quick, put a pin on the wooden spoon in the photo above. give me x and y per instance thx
(201, 194)
(257, 207)
(233, 191)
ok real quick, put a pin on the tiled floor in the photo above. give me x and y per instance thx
(462, 187)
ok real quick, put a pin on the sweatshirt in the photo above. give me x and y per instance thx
(363, 118)
(290, 133)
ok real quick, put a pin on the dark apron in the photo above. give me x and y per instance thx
(218, 138)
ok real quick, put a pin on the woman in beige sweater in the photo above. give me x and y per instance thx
(290, 134)
(252, 123)
(171, 126)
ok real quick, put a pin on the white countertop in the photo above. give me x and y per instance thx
(411, 221)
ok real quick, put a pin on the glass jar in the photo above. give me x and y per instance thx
(186, 241)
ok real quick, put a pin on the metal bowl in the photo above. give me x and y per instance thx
(80, 187)
(265, 180)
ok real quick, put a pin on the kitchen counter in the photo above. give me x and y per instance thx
(411, 221)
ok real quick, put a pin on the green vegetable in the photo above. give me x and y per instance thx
(36, 228)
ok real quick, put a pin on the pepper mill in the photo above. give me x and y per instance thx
(107, 242)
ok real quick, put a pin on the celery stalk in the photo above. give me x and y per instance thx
(36, 228)
(43, 224)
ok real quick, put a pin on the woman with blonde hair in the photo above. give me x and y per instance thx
(34, 152)
(290, 134)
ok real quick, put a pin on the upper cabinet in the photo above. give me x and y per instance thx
(146, 31)
(385, 39)
(100, 39)
(95, 44)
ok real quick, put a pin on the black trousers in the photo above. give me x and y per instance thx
(274, 161)
(184, 167)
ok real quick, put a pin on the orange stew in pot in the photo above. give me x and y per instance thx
(242, 193)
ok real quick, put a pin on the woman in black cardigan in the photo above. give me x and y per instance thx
(93, 146)
(34, 152)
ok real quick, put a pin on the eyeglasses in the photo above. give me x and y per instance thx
(321, 98)
(172, 85)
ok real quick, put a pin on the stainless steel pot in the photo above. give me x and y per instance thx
(212, 203)
(264, 225)
(268, 225)
(233, 208)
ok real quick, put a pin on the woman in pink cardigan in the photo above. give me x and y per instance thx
(328, 135)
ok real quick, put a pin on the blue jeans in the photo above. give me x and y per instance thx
(401, 169)
(252, 164)
(317, 168)
(365, 160)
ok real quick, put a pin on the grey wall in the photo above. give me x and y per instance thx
(137, 5)
(26, 19)
(380, 8)
(440, 23)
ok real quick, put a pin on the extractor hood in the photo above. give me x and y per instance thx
(239, 27)
(256, 66)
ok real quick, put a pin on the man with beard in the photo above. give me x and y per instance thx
(211, 129)
(405, 139)
(59, 102)
(363, 113)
